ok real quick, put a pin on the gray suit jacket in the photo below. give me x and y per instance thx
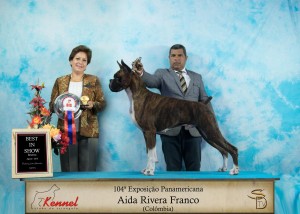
(167, 81)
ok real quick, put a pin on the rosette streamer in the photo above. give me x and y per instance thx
(70, 128)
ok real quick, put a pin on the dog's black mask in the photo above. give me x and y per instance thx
(115, 85)
(121, 79)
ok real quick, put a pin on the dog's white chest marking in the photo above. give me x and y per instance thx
(131, 108)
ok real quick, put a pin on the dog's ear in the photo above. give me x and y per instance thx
(126, 66)
(119, 65)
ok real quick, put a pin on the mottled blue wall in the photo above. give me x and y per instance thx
(248, 53)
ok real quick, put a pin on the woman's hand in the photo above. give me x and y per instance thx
(90, 104)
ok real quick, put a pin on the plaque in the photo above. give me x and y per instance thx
(165, 192)
(31, 153)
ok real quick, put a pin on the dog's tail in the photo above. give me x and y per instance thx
(207, 100)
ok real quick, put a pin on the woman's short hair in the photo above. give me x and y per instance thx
(81, 48)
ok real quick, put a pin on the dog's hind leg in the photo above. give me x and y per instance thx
(216, 139)
(151, 153)
(225, 163)
(224, 153)
(226, 148)
(233, 151)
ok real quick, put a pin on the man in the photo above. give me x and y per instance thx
(179, 144)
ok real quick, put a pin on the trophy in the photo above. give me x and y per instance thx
(84, 101)
(67, 102)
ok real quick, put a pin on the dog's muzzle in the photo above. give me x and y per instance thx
(115, 86)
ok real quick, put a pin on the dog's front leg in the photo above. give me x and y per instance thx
(152, 159)
(151, 153)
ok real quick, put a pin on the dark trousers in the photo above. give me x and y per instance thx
(81, 156)
(180, 149)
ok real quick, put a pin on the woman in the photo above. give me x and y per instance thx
(81, 156)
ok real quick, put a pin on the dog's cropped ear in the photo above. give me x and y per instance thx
(119, 65)
(126, 66)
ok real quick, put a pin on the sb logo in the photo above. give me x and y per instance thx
(259, 196)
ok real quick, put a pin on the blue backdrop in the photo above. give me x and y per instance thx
(247, 52)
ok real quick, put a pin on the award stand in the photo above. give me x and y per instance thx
(165, 192)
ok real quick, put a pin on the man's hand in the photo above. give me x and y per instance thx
(137, 66)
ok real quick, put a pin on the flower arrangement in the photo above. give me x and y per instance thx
(41, 118)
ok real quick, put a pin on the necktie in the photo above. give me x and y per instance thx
(182, 81)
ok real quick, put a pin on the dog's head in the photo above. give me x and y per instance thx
(122, 78)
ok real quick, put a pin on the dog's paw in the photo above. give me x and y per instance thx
(234, 171)
(222, 169)
(148, 172)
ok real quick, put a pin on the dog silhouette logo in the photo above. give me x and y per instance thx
(259, 196)
(41, 197)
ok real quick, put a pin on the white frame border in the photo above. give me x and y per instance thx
(49, 172)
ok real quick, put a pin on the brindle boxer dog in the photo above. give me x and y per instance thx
(154, 113)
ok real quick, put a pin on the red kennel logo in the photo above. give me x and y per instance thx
(259, 196)
(46, 199)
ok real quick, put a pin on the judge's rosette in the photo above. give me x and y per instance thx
(67, 108)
